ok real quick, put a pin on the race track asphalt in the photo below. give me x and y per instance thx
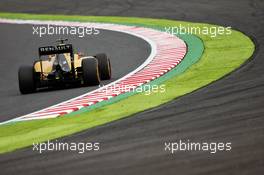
(20, 47)
(229, 110)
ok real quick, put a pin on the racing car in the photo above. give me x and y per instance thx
(60, 66)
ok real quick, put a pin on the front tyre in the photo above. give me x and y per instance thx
(26, 79)
(104, 66)
(90, 72)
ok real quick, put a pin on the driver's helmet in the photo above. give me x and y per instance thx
(62, 62)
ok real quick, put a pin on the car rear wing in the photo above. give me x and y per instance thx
(49, 50)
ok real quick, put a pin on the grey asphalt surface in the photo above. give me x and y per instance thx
(229, 110)
(20, 47)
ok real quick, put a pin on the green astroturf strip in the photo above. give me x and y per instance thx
(221, 55)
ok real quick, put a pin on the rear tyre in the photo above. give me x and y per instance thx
(90, 72)
(104, 66)
(26, 79)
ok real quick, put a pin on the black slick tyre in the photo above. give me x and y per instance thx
(26, 79)
(104, 66)
(90, 72)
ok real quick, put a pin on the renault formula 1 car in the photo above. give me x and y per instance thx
(60, 66)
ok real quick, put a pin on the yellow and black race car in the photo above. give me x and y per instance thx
(60, 66)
